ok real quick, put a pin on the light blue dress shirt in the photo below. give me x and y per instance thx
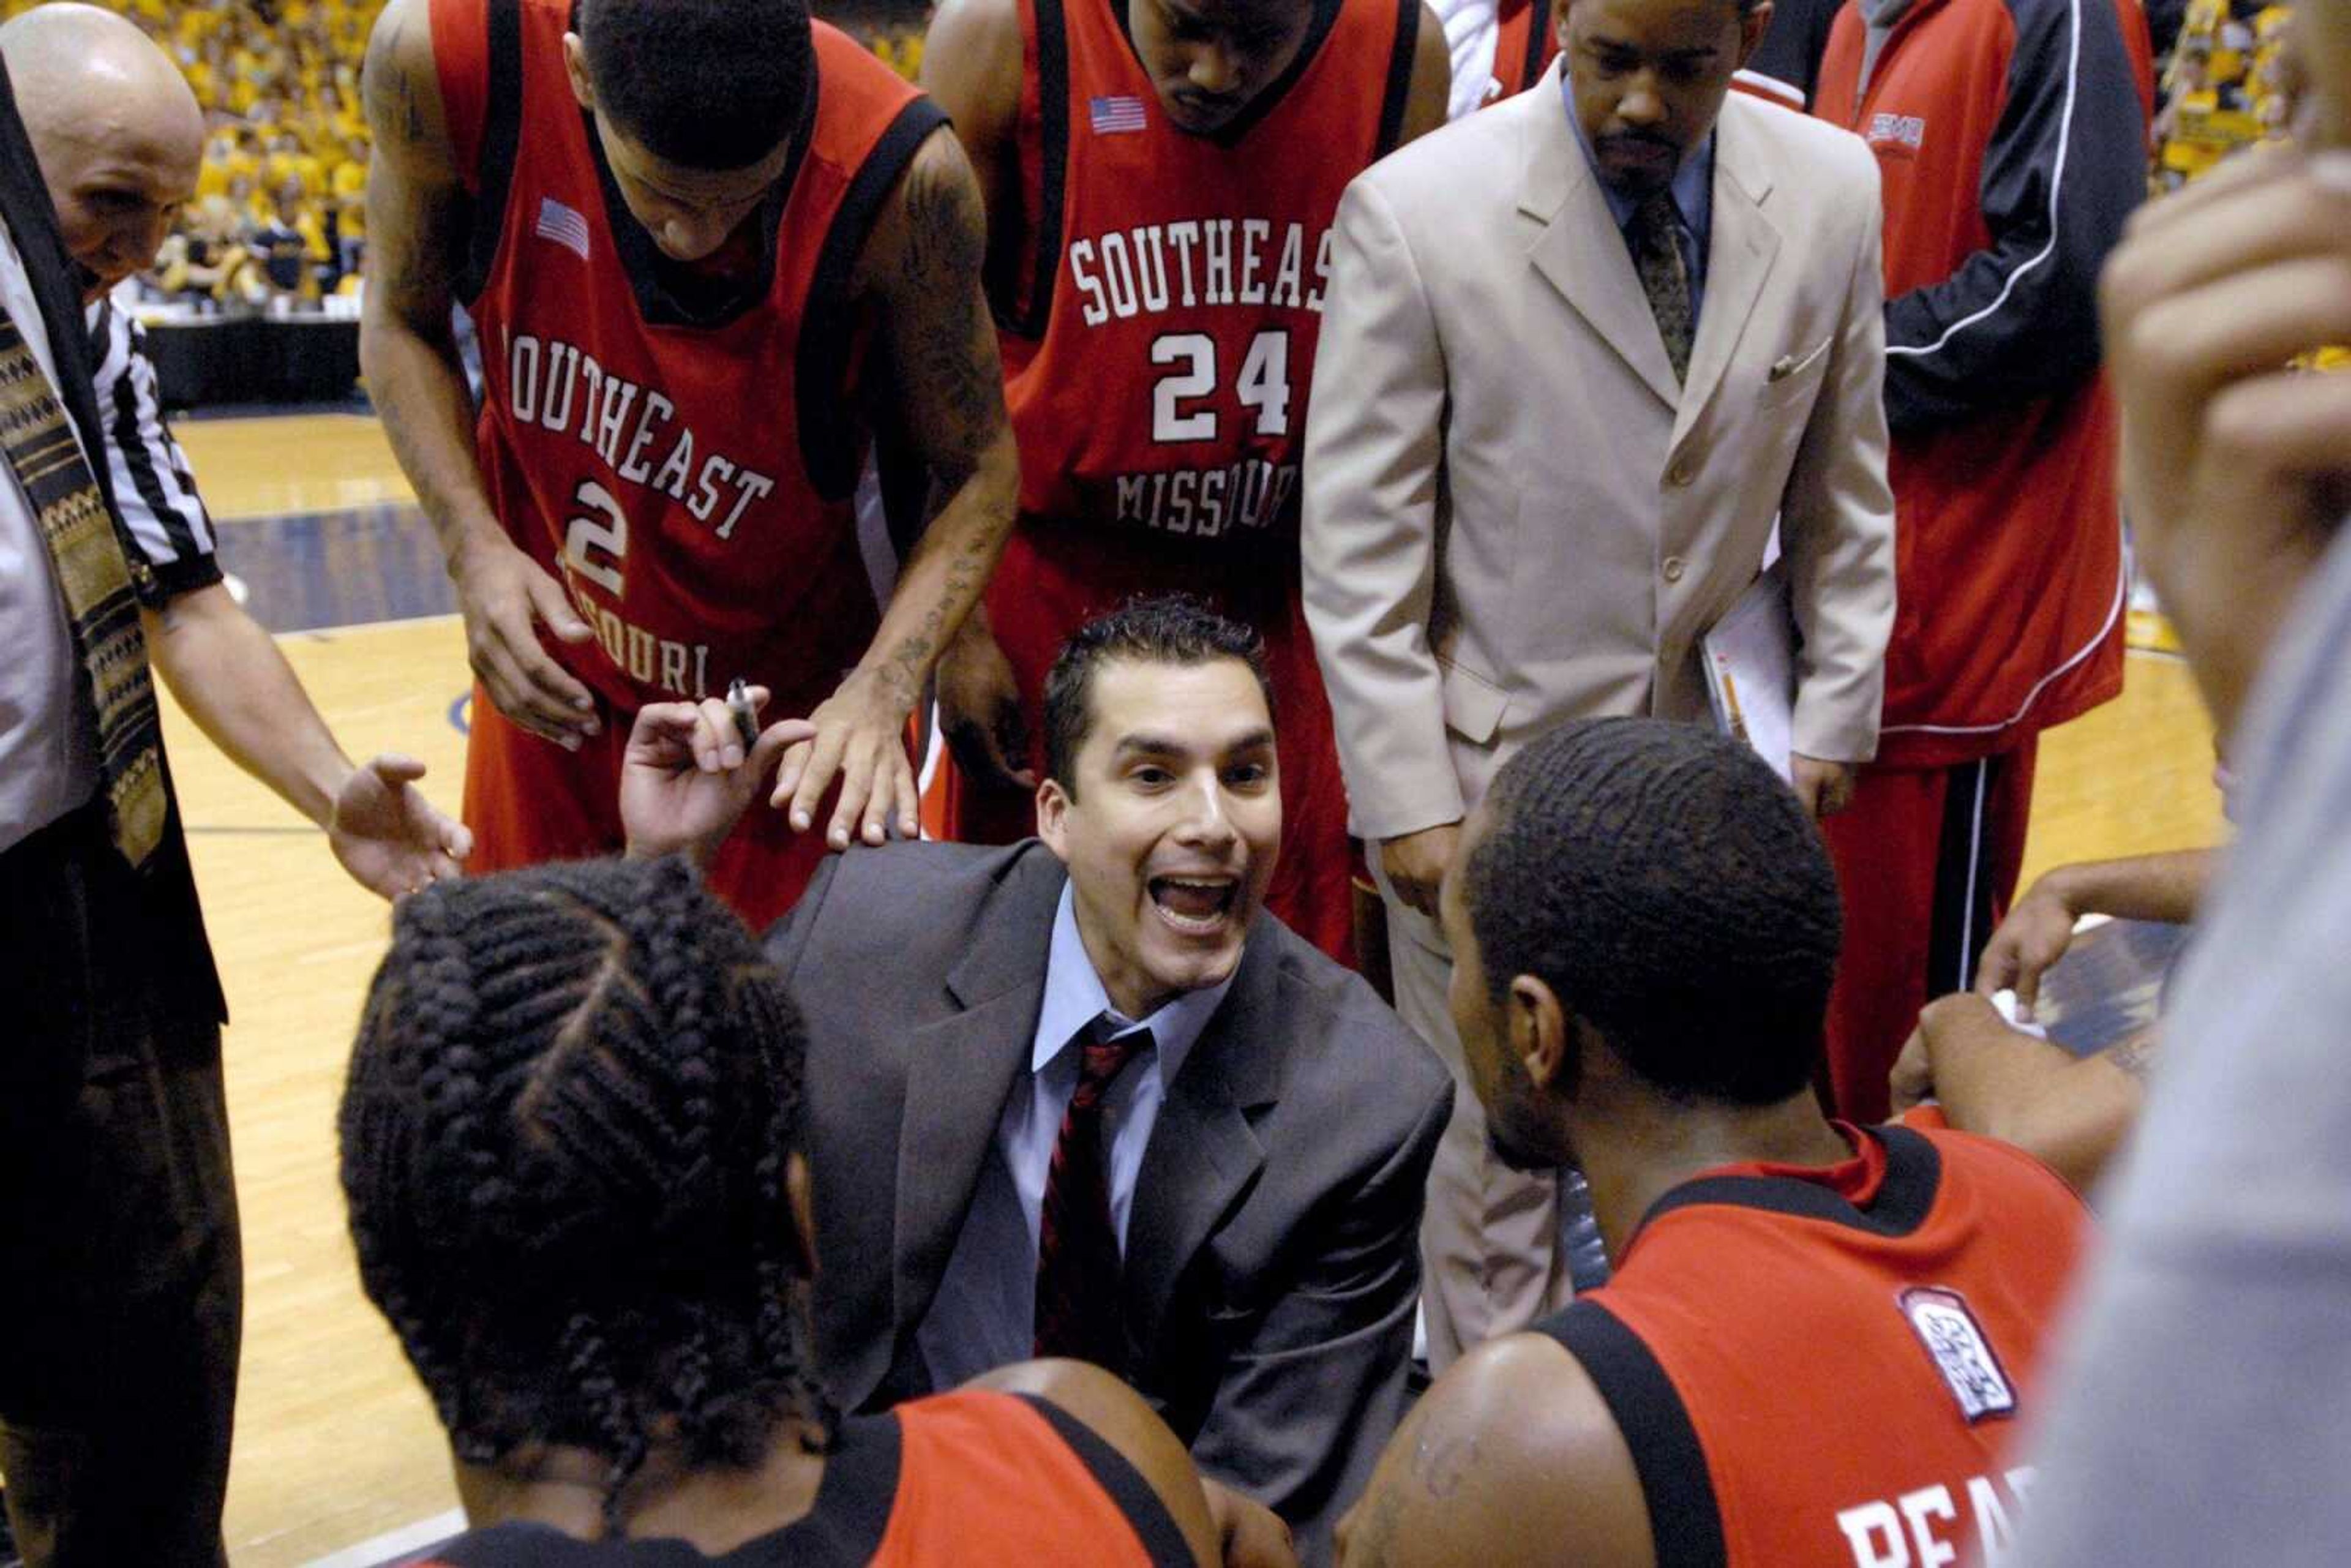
(986, 1310)
(1693, 189)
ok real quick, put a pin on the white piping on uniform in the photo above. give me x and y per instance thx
(2114, 613)
(2056, 186)
(1975, 860)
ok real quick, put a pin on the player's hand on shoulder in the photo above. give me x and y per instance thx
(859, 741)
(505, 597)
(390, 838)
(686, 777)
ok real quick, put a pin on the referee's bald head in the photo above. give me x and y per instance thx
(116, 130)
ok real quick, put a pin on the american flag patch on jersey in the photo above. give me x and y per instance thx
(1112, 115)
(564, 226)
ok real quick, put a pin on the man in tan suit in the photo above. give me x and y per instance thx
(1580, 352)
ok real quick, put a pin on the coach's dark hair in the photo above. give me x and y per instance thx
(1673, 893)
(710, 84)
(564, 1143)
(1166, 629)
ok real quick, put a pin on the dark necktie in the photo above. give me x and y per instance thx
(1077, 1244)
(95, 578)
(1653, 235)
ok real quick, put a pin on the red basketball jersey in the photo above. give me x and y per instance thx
(974, 1477)
(1157, 354)
(1826, 1365)
(1525, 44)
(679, 451)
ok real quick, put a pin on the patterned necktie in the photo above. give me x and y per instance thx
(95, 578)
(1654, 237)
(1077, 1243)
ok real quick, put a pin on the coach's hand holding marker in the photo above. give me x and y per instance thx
(745, 711)
(687, 776)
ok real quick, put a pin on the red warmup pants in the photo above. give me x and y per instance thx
(1927, 860)
(1053, 580)
(529, 800)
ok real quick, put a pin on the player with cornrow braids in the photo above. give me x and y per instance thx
(571, 1146)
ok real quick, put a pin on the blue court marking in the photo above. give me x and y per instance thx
(461, 713)
(311, 572)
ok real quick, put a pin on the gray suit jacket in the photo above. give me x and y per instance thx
(1272, 1263)
(1514, 515)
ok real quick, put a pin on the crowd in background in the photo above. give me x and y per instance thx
(2225, 86)
(280, 213)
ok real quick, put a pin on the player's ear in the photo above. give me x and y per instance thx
(1543, 1036)
(1053, 818)
(575, 66)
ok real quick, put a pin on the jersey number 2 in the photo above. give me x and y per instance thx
(595, 546)
(1264, 384)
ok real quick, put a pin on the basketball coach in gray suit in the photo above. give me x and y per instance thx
(1085, 1097)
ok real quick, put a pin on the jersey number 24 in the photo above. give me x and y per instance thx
(1264, 384)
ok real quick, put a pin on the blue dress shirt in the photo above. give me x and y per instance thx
(986, 1310)
(1693, 190)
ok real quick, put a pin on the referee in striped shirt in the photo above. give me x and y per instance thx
(154, 493)
(226, 670)
(118, 1242)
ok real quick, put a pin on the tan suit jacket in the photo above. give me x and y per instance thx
(1513, 517)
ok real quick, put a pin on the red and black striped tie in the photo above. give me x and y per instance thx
(1077, 1244)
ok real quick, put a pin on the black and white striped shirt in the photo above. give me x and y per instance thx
(154, 489)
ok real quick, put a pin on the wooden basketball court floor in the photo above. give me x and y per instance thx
(337, 1455)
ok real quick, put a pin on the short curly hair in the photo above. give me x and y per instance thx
(708, 84)
(570, 1108)
(1673, 893)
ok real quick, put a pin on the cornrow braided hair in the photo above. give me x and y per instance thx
(571, 1106)
(1673, 893)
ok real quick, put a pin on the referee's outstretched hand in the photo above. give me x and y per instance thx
(387, 835)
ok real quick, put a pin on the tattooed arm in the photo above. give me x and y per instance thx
(1510, 1461)
(972, 65)
(919, 277)
(2069, 1112)
(416, 209)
